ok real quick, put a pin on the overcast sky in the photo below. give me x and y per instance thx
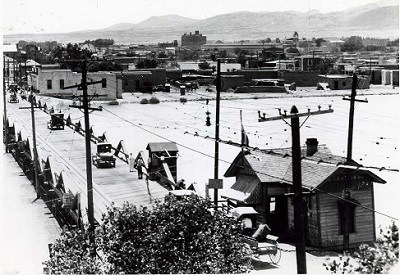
(47, 16)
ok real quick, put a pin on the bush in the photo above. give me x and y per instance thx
(183, 99)
(114, 102)
(144, 101)
(377, 258)
(154, 100)
(177, 236)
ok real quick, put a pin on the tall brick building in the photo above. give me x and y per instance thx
(193, 41)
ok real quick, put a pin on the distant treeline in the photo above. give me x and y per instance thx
(101, 42)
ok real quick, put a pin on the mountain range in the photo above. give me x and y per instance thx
(380, 19)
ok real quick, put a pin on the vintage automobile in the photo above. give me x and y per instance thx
(13, 98)
(56, 121)
(104, 157)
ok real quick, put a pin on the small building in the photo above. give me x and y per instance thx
(307, 63)
(264, 181)
(163, 156)
(344, 82)
(142, 80)
(231, 82)
(52, 81)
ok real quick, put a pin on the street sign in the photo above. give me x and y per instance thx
(215, 183)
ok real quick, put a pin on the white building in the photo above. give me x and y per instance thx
(52, 81)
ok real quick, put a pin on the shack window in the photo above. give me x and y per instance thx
(49, 84)
(61, 83)
(348, 208)
(104, 83)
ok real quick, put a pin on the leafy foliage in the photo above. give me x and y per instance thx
(144, 101)
(352, 44)
(154, 100)
(378, 258)
(72, 253)
(177, 236)
(101, 42)
(147, 64)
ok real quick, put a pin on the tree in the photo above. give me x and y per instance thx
(318, 41)
(352, 44)
(295, 34)
(394, 43)
(100, 42)
(292, 50)
(277, 40)
(177, 236)
(377, 258)
(204, 66)
(147, 64)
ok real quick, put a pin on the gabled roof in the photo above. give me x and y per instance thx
(273, 166)
(162, 146)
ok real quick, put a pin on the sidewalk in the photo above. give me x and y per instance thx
(27, 227)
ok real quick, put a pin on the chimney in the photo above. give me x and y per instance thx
(312, 146)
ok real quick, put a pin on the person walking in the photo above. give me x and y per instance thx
(139, 167)
(131, 163)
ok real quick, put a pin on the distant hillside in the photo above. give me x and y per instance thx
(166, 21)
(372, 20)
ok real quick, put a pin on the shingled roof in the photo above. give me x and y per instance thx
(274, 166)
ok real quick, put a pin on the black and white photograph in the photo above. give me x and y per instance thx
(200, 137)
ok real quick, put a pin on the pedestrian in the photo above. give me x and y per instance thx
(139, 168)
(131, 162)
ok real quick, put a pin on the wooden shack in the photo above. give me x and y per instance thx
(162, 157)
(264, 181)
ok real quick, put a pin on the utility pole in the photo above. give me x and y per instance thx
(85, 105)
(35, 155)
(5, 104)
(347, 181)
(297, 184)
(216, 144)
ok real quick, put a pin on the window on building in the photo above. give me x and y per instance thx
(61, 83)
(310, 62)
(349, 209)
(104, 83)
(49, 85)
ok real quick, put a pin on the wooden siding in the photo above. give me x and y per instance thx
(329, 215)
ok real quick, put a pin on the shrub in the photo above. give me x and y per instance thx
(144, 101)
(154, 100)
(176, 236)
(114, 102)
(377, 258)
(183, 99)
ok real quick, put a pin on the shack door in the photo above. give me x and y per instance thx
(336, 85)
(279, 215)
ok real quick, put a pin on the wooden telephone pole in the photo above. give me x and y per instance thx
(347, 182)
(85, 106)
(35, 154)
(297, 185)
(5, 104)
(216, 144)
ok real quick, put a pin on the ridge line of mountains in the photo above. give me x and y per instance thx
(380, 19)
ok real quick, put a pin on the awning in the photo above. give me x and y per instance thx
(242, 189)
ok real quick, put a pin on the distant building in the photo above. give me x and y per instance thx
(193, 41)
(143, 80)
(165, 45)
(344, 82)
